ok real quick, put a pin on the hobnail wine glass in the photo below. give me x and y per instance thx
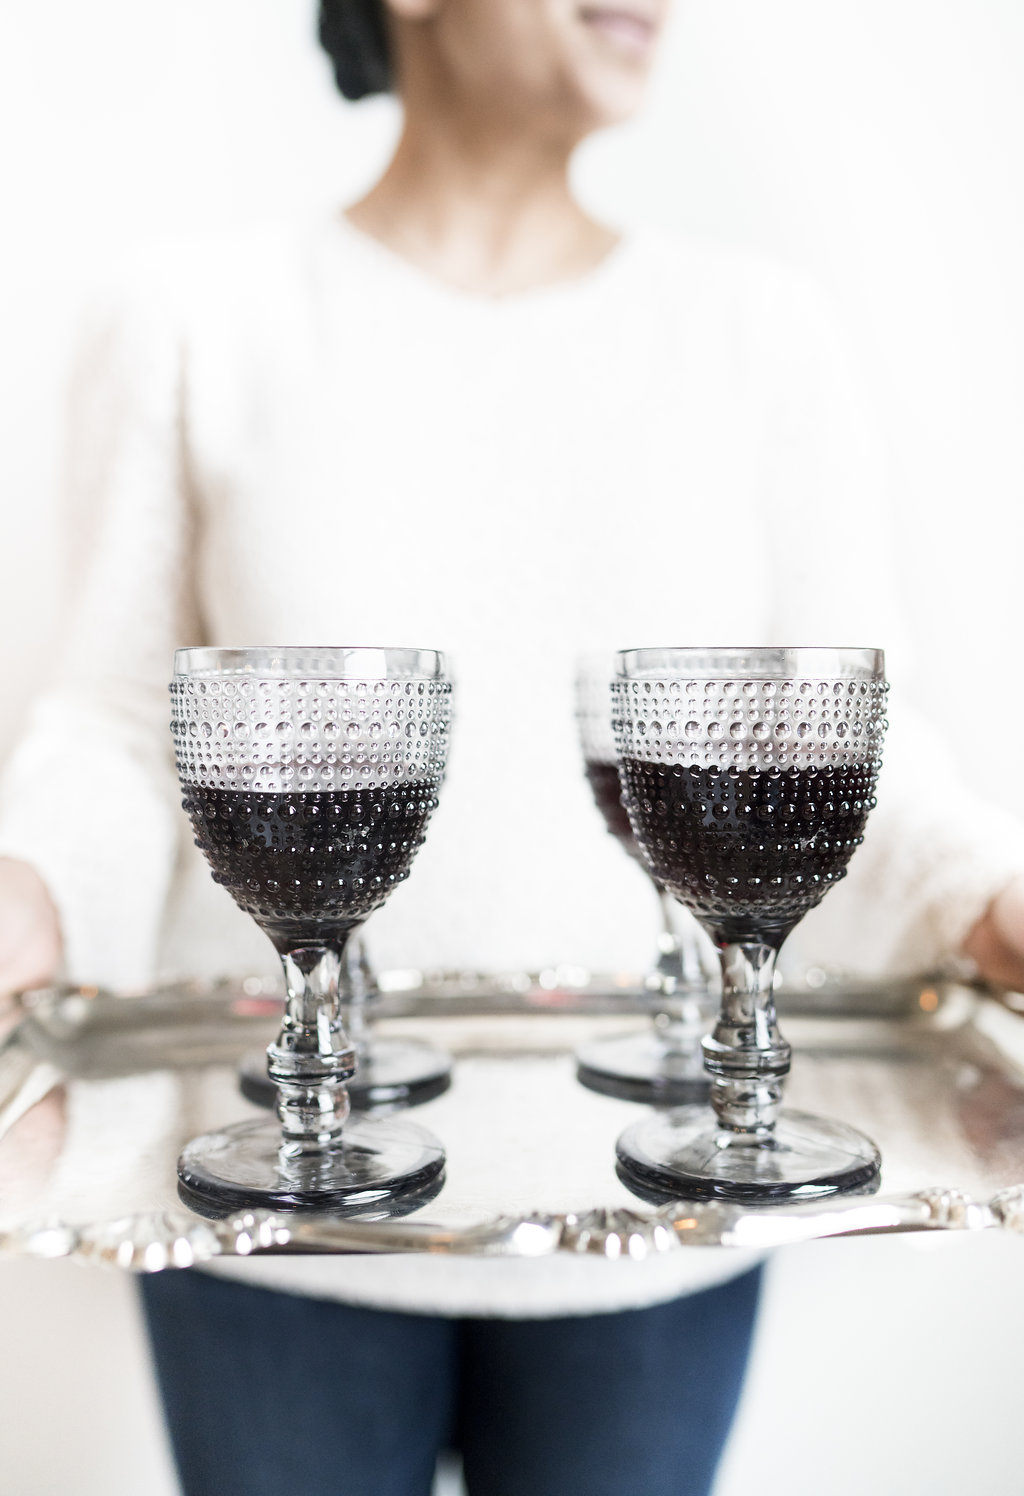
(748, 775)
(390, 1071)
(309, 776)
(664, 1063)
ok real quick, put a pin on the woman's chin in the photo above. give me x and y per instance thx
(616, 99)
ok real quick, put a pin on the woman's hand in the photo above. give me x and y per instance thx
(996, 943)
(30, 938)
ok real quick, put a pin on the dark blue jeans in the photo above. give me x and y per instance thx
(267, 1394)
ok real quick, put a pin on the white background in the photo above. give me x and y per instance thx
(881, 146)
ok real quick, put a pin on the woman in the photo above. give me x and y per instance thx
(464, 413)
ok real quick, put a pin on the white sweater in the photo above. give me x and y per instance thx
(299, 438)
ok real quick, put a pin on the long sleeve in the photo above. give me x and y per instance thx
(935, 853)
(89, 796)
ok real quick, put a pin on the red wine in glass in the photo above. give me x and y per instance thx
(749, 851)
(606, 784)
(309, 865)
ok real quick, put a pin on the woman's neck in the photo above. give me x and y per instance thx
(483, 209)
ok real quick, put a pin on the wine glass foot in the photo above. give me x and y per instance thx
(684, 1154)
(395, 1072)
(381, 1165)
(642, 1067)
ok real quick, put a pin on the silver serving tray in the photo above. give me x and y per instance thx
(98, 1093)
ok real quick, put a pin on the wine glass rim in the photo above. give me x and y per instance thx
(772, 662)
(321, 661)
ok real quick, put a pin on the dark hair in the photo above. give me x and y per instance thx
(355, 38)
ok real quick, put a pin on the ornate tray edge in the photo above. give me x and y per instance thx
(151, 1243)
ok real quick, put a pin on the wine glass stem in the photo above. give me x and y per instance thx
(679, 978)
(311, 1059)
(746, 1055)
(356, 987)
